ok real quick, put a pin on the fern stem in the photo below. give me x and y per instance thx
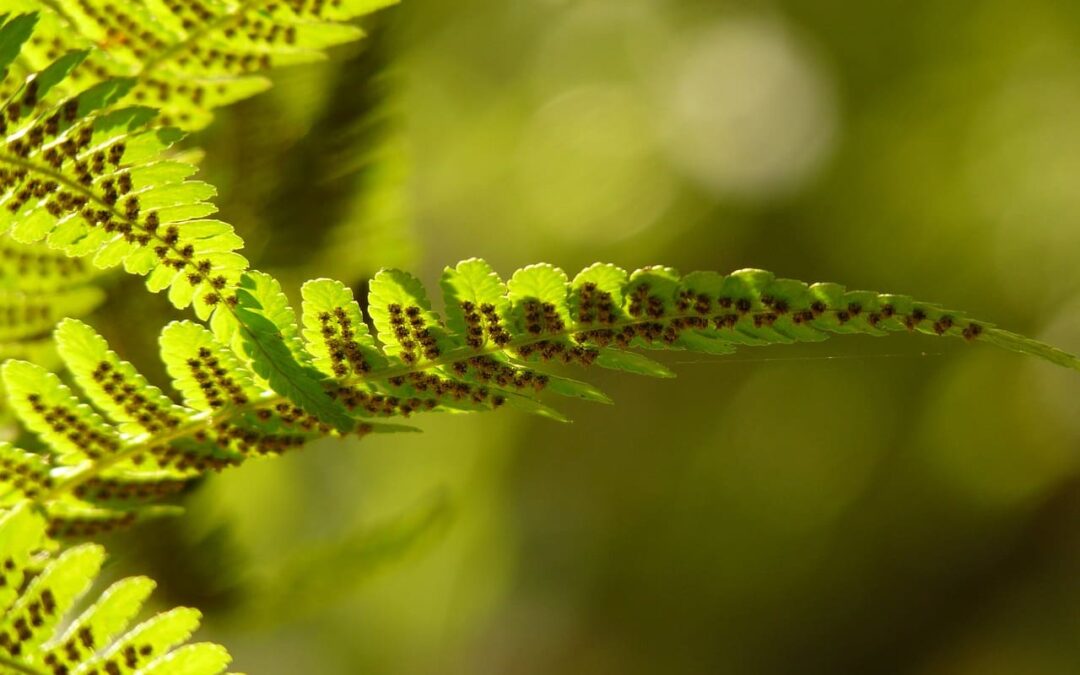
(138, 444)
(205, 420)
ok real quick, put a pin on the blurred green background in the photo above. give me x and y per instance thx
(858, 506)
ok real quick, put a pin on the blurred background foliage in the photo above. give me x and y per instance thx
(901, 506)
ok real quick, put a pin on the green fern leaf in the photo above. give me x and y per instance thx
(23, 535)
(73, 430)
(204, 657)
(404, 321)
(604, 313)
(477, 307)
(161, 633)
(107, 618)
(12, 36)
(40, 589)
(270, 337)
(631, 362)
(63, 580)
(89, 179)
(335, 332)
(603, 298)
(114, 386)
(539, 300)
(207, 373)
(253, 387)
(82, 518)
(475, 295)
(23, 475)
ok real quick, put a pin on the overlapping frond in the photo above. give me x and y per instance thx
(38, 288)
(187, 57)
(35, 268)
(260, 382)
(40, 635)
(88, 178)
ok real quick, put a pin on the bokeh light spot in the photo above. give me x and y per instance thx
(586, 169)
(750, 110)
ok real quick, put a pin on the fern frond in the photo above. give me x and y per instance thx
(114, 386)
(35, 268)
(89, 179)
(188, 58)
(260, 383)
(26, 315)
(41, 587)
(38, 287)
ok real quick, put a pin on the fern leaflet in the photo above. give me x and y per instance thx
(40, 587)
(89, 178)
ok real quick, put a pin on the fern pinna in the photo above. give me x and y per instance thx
(39, 588)
(259, 382)
(90, 178)
(187, 57)
(37, 288)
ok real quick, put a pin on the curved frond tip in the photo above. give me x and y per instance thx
(259, 381)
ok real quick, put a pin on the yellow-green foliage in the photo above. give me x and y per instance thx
(260, 382)
(92, 96)
(88, 175)
(40, 636)
(187, 57)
